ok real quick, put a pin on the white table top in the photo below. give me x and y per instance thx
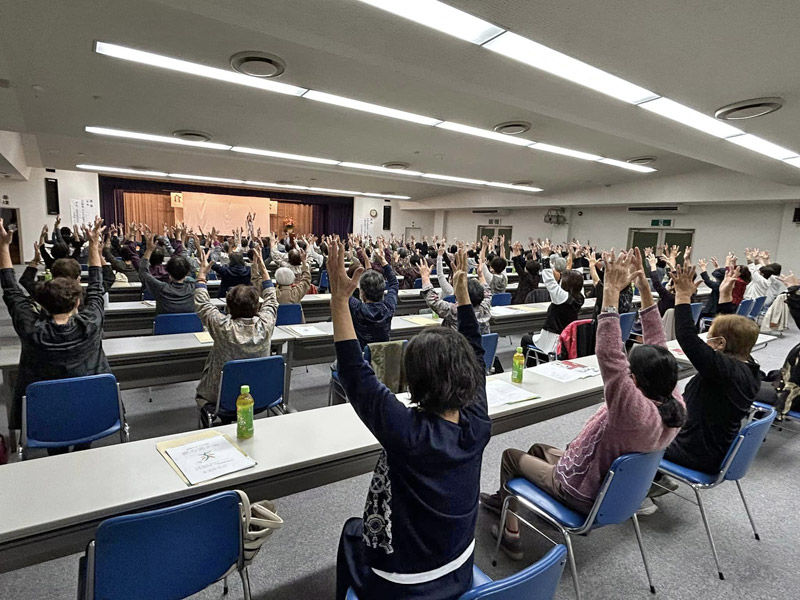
(675, 347)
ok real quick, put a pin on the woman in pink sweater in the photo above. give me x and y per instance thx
(642, 412)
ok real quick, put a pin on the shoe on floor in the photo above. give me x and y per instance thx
(511, 547)
(492, 503)
(648, 507)
(658, 488)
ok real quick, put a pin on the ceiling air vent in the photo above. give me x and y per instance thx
(656, 209)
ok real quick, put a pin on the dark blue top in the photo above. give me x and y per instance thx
(231, 277)
(373, 320)
(422, 504)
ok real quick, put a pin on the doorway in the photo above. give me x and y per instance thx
(491, 231)
(10, 218)
(649, 237)
(413, 231)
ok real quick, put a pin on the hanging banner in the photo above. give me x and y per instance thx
(176, 199)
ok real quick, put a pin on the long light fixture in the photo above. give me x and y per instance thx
(329, 162)
(157, 60)
(142, 172)
(147, 137)
(463, 25)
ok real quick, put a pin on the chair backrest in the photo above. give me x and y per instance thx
(626, 321)
(758, 304)
(264, 375)
(489, 343)
(177, 323)
(450, 299)
(537, 295)
(535, 582)
(168, 553)
(418, 283)
(697, 308)
(744, 448)
(146, 295)
(324, 281)
(745, 306)
(503, 299)
(289, 314)
(211, 276)
(63, 412)
(625, 486)
(567, 347)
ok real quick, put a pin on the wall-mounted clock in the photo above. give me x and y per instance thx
(373, 213)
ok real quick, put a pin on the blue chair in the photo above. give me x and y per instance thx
(503, 299)
(167, 553)
(324, 281)
(489, 343)
(697, 308)
(65, 412)
(626, 321)
(146, 295)
(211, 276)
(535, 582)
(265, 376)
(745, 307)
(335, 387)
(289, 314)
(624, 488)
(737, 461)
(177, 323)
(418, 283)
(758, 305)
(450, 299)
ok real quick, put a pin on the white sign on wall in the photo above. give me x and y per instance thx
(83, 210)
(176, 199)
(366, 226)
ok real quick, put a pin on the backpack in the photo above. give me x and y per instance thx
(786, 382)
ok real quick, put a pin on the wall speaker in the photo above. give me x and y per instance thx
(796, 218)
(51, 193)
(387, 218)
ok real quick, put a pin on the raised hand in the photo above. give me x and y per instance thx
(726, 287)
(702, 263)
(424, 272)
(204, 258)
(460, 268)
(620, 270)
(342, 286)
(683, 278)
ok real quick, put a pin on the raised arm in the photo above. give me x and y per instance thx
(392, 285)
(94, 306)
(447, 289)
(467, 321)
(269, 307)
(558, 295)
(652, 327)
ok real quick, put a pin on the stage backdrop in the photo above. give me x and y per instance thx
(205, 211)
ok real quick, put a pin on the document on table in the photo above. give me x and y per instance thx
(423, 320)
(207, 458)
(306, 330)
(204, 337)
(499, 392)
(564, 371)
(526, 308)
(502, 311)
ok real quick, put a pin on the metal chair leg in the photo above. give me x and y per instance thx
(747, 510)
(501, 530)
(150, 393)
(225, 586)
(572, 566)
(245, 582)
(638, 532)
(708, 531)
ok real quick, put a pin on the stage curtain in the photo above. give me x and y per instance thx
(303, 215)
(151, 209)
(204, 211)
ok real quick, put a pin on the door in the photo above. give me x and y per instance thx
(415, 231)
(10, 218)
(680, 238)
(491, 231)
(643, 238)
(506, 231)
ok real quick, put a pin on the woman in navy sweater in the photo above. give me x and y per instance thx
(417, 535)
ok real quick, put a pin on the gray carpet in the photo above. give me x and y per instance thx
(299, 561)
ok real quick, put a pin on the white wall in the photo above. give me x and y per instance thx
(400, 218)
(463, 224)
(29, 198)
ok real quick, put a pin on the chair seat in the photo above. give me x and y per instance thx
(478, 578)
(690, 475)
(563, 514)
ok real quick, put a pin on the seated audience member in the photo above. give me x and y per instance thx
(233, 274)
(407, 267)
(719, 396)
(373, 310)
(177, 296)
(291, 288)
(479, 296)
(244, 331)
(566, 300)
(61, 341)
(712, 283)
(124, 264)
(642, 410)
(157, 268)
(529, 275)
(416, 538)
(495, 273)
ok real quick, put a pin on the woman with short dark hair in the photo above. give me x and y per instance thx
(417, 536)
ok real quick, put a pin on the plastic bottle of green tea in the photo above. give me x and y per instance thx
(244, 414)
(517, 366)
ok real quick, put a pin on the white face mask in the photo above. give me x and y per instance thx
(717, 343)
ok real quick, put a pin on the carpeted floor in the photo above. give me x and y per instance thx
(299, 561)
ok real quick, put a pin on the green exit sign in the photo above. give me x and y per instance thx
(661, 223)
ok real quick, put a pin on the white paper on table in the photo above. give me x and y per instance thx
(208, 459)
(499, 392)
(583, 370)
(307, 330)
(501, 311)
(557, 371)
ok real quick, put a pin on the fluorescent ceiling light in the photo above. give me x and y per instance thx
(352, 165)
(183, 66)
(164, 139)
(457, 179)
(204, 178)
(762, 146)
(276, 185)
(393, 196)
(554, 62)
(121, 170)
(370, 108)
(690, 117)
(300, 157)
(511, 186)
(335, 191)
(441, 17)
(626, 165)
(564, 151)
(795, 162)
(484, 133)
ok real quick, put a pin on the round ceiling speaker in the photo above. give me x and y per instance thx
(749, 109)
(642, 160)
(258, 64)
(512, 127)
(396, 165)
(192, 135)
